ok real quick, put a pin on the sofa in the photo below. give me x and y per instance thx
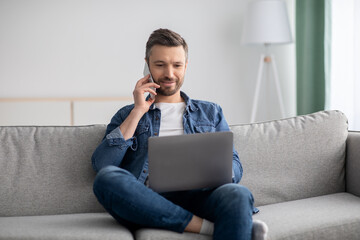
(304, 173)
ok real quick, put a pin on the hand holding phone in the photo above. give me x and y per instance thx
(146, 72)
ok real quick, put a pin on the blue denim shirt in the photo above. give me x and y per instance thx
(132, 154)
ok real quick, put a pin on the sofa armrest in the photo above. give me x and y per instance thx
(353, 163)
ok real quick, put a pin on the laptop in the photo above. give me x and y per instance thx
(190, 161)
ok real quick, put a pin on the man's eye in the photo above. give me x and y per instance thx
(159, 65)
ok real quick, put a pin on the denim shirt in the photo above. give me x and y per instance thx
(132, 154)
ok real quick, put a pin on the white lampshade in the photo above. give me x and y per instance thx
(266, 22)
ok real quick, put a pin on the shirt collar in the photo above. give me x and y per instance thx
(189, 103)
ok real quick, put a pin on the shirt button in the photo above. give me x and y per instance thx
(144, 171)
(157, 118)
(155, 133)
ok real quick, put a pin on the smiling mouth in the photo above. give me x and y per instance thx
(167, 82)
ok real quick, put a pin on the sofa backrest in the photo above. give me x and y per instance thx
(47, 170)
(294, 158)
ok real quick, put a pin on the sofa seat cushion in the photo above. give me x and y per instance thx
(70, 226)
(157, 234)
(335, 216)
(329, 217)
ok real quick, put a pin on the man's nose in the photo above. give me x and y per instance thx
(169, 72)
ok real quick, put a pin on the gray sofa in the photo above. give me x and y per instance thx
(304, 173)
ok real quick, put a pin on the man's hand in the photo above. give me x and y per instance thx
(141, 107)
(141, 87)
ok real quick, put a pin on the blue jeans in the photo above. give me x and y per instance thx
(134, 205)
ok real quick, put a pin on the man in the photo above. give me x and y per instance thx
(122, 163)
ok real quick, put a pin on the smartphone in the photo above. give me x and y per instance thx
(146, 72)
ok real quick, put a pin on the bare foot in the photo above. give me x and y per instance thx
(194, 225)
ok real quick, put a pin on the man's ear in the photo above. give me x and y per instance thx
(186, 63)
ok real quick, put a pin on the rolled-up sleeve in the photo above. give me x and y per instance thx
(115, 138)
(113, 147)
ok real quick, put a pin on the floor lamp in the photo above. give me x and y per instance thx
(266, 23)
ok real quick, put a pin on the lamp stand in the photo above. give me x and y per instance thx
(270, 60)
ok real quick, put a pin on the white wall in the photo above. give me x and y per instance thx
(93, 48)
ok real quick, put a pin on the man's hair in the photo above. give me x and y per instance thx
(165, 37)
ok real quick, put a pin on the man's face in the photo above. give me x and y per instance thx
(167, 66)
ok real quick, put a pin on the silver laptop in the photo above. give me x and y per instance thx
(191, 161)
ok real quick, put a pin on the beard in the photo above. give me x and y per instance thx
(169, 91)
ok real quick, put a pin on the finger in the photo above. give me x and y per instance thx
(151, 100)
(150, 90)
(151, 84)
(141, 90)
(143, 80)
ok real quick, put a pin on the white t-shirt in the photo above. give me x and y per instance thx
(171, 118)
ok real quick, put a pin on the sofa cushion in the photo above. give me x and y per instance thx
(331, 217)
(158, 234)
(85, 226)
(47, 170)
(294, 158)
(353, 163)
